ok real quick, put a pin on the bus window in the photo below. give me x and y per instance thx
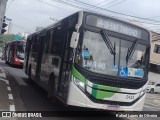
(20, 51)
(47, 43)
(56, 47)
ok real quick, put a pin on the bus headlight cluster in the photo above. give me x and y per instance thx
(79, 83)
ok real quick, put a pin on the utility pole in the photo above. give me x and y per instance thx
(3, 4)
(9, 27)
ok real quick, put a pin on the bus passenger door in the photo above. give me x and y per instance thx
(40, 54)
(34, 56)
(66, 66)
(45, 64)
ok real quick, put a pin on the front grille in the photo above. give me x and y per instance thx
(114, 83)
(93, 99)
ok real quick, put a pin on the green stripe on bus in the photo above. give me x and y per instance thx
(94, 92)
(101, 94)
(103, 87)
(78, 75)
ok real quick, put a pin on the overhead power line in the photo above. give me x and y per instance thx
(70, 4)
(98, 4)
(117, 3)
(76, 6)
(22, 27)
(53, 5)
(109, 3)
(9, 5)
(101, 2)
(48, 4)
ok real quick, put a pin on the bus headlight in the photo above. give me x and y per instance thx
(79, 83)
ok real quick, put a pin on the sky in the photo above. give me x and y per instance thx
(26, 15)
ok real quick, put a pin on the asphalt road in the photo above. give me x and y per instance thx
(152, 102)
(28, 96)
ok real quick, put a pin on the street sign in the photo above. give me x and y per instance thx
(17, 37)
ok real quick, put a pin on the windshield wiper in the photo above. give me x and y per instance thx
(131, 51)
(108, 42)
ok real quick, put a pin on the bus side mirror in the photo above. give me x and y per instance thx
(74, 40)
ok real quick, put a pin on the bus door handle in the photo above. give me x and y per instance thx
(55, 61)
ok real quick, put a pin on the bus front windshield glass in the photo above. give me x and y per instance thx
(94, 55)
(20, 51)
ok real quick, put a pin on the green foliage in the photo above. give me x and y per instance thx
(5, 38)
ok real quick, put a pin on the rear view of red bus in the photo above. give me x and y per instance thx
(14, 52)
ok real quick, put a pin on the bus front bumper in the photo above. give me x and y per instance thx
(77, 98)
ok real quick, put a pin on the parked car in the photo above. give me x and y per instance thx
(157, 88)
(153, 87)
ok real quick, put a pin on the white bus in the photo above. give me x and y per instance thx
(92, 61)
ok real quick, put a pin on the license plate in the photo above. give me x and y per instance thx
(113, 107)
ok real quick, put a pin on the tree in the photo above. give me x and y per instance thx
(5, 38)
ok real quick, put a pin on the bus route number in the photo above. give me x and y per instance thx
(129, 97)
(100, 66)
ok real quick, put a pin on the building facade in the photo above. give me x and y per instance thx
(155, 48)
(3, 4)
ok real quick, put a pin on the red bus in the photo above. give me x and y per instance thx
(14, 52)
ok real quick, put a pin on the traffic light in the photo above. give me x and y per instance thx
(3, 26)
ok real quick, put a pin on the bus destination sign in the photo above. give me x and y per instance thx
(118, 27)
(115, 26)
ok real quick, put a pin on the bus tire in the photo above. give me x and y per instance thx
(52, 89)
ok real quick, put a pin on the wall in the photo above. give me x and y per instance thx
(154, 57)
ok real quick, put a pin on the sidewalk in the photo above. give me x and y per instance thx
(6, 97)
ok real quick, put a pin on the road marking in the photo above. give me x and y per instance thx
(7, 82)
(3, 75)
(3, 80)
(8, 88)
(12, 108)
(10, 96)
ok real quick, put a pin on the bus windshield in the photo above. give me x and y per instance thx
(94, 55)
(20, 51)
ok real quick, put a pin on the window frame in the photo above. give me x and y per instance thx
(157, 49)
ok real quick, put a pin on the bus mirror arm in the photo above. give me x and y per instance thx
(74, 40)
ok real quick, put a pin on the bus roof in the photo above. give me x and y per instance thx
(96, 14)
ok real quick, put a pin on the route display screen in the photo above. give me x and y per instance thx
(116, 26)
